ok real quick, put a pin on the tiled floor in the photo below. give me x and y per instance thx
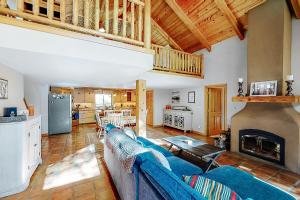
(73, 167)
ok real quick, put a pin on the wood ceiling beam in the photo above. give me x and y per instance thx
(171, 41)
(238, 28)
(189, 23)
(296, 7)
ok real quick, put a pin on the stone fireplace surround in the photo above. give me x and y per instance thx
(269, 58)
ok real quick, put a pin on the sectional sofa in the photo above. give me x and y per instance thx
(150, 180)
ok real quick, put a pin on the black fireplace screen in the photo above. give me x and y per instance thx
(262, 144)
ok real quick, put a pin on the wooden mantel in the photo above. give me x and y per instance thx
(268, 99)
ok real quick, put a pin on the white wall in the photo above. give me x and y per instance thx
(161, 98)
(296, 57)
(223, 65)
(37, 94)
(15, 88)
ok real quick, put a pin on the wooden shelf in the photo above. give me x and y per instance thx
(269, 99)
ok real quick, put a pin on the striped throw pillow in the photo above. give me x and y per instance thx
(211, 189)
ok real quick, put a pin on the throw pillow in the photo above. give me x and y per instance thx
(130, 133)
(160, 158)
(211, 189)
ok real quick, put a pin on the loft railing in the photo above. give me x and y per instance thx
(170, 60)
(127, 21)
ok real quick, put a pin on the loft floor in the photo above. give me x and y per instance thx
(73, 168)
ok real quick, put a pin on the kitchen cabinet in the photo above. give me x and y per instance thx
(87, 116)
(78, 95)
(20, 153)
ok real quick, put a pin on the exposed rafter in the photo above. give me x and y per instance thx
(166, 35)
(189, 23)
(238, 28)
(296, 7)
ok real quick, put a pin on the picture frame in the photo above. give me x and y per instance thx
(175, 97)
(191, 97)
(265, 88)
(3, 89)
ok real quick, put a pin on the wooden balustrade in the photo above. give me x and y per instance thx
(170, 60)
(128, 21)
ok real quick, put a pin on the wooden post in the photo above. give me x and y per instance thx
(50, 9)
(106, 16)
(115, 16)
(36, 7)
(124, 31)
(20, 5)
(141, 114)
(147, 24)
(75, 12)
(97, 15)
(63, 10)
(86, 13)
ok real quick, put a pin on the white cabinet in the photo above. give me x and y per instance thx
(178, 119)
(87, 116)
(20, 154)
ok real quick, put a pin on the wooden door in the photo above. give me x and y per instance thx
(215, 111)
(149, 104)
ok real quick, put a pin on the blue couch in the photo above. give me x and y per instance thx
(151, 181)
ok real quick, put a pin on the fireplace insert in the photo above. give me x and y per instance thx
(262, 144)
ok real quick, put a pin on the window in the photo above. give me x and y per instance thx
(103, 100)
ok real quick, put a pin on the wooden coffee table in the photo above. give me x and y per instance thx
(197, 148)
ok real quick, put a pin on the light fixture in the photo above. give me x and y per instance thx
(102, 30)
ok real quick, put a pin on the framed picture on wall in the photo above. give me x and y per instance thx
(191, 97)
(3, 89)
(176, 97)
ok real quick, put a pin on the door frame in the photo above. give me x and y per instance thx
(224, 106)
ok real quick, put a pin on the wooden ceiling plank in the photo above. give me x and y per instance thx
(188, 22)
(167, 36)
(296, 7)
(231, 18)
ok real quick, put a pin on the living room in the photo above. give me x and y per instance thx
(187, 124)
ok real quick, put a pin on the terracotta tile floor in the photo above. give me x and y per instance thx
(73, 167)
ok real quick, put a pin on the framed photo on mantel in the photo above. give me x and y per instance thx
(266, 88)
(3, 89)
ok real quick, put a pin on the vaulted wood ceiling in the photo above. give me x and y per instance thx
(191, 25)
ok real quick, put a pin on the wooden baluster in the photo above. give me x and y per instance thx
(132, 20)
(50, 8)
(3, 3)
(157, 56)
(202, 66)
(189, 63)
(75, 12)
(62, 11)
(171, 60)
(115, 15)
(124, 31)
(97, 14)
(20, 5)
(36, 7)
(86, 13)
(147, 24)
(140, 22)
(107, 16)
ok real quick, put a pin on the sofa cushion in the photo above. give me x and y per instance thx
(211, 189)
(181, 167)
(247, 185)
(130, 133)
(160, 158)
(144, 141)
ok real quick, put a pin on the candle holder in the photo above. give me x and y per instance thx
(289, 88)
(240, 91)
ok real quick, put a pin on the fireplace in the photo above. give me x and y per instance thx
(262, 144)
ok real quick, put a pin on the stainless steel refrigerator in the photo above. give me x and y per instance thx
(59, 113)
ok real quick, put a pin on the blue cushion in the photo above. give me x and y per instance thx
(181, 167)
(109, 127)
(247, 185)
(144, 141)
